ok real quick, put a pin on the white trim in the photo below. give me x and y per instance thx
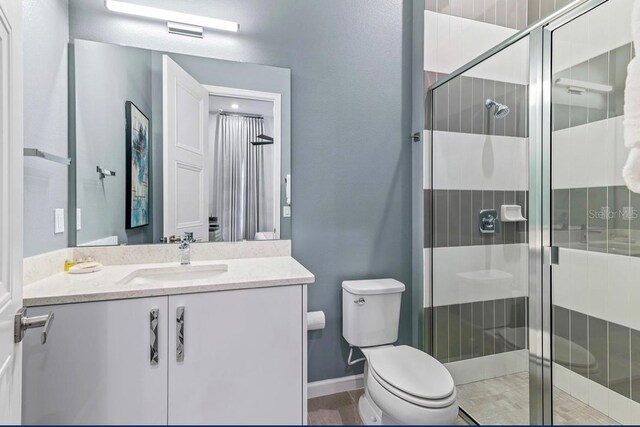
(11, 206)
(305, 346)
(335, 385)
(276, 98)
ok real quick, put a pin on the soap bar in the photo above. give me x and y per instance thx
(85, 267)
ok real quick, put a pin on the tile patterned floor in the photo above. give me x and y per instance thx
(505, 400)
(502, 400)
(340, 409)
(335, 409)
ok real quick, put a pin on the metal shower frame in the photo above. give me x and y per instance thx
(539, 222)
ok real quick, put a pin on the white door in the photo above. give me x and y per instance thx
(10, 208)
(241, 360)
(185, 149)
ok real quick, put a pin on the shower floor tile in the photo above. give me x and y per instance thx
(505, 400)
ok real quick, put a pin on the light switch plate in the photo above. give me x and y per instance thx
(78, 219)
(58, 226)
(286, 211)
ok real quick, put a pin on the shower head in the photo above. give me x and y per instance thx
(501, 111)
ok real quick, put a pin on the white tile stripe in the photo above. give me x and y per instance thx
(464, 161)
(598, 284)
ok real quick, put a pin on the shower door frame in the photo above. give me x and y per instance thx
(541, 254)
(547, 160)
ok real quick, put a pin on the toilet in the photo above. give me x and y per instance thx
(402, 385)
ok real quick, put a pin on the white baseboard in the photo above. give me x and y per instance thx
(335, 385)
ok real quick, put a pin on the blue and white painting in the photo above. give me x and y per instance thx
(138, 163)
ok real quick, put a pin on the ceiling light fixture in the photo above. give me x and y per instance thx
(170, 16)
(185, 29)
(235, 106)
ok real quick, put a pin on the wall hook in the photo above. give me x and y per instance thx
(104, 172)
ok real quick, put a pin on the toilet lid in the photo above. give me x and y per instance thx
(412, 371)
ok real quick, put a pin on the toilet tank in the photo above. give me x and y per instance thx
(371, 311)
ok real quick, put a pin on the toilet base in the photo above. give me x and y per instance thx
(370, 414)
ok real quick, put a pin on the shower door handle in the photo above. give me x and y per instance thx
(551, 255)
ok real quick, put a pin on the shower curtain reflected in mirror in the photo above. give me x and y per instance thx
(238, 188)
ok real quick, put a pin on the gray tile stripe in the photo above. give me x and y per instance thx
(538, 9)
(459, 106)
(597, 219)
(606, 68)
(482, 328)
(455, 217)
(613, 350)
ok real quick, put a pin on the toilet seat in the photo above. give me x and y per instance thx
(412, 376)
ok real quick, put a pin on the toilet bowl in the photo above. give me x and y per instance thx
(402, 385)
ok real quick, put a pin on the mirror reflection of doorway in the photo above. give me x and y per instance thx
(221, 160)
(244, 175)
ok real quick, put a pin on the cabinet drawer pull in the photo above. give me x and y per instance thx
(180, 334)
(154, 356)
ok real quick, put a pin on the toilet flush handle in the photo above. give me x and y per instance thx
(359, 301)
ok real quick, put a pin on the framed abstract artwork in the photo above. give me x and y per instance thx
(137, 159)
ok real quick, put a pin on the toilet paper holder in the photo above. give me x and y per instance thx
(315, 320)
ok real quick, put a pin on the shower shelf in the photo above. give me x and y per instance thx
(511, 213)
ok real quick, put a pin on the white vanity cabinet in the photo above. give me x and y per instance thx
(95, 367)
(243, 360)
(243, 357)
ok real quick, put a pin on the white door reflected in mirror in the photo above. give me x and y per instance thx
(185, 148)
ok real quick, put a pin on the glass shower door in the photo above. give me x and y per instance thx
(479, 246)
(595, 223)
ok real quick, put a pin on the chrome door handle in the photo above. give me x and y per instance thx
(551, 255)
(180, 334)
(154, 355)
(21, 323)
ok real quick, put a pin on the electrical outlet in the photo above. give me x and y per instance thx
(286, 211)
(58, 226)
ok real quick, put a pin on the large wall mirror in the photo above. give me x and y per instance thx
(158, 140)
(166, 146)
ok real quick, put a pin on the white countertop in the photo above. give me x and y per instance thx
(65, 288)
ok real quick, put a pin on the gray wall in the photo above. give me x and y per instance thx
(106, 77)
(46, 35)
(351, 119)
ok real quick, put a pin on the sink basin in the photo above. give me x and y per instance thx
(181, 274)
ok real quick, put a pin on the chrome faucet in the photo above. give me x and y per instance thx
(185, 252)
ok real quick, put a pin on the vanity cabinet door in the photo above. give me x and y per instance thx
(242, 360)
(96, 367)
